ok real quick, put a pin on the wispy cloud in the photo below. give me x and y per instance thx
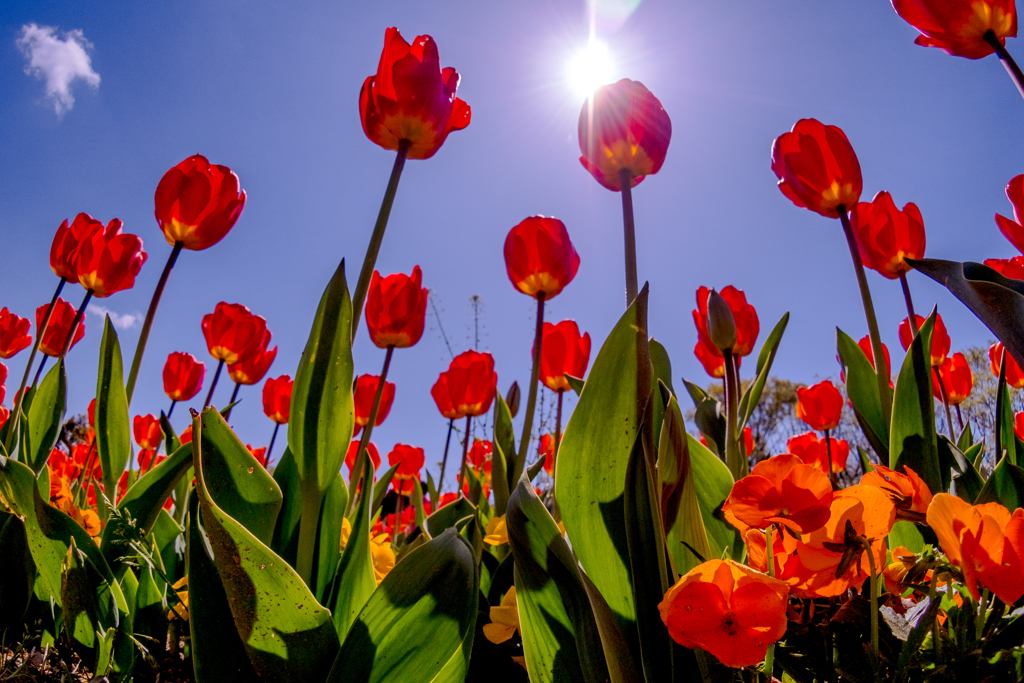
(122, 321)
(59, 58)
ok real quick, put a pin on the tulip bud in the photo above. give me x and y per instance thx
(721, 325)
(512, 399)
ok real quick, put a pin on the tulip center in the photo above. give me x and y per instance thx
(729, 624)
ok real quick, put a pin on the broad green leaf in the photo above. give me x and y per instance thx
(714, 484)
(88, 606)
(449, 515)
(966, 439)
(171, 441)
(286, 529)
(1006, 437)
(661, 363)
(912, 440)
(355, 580)
(170, 543)
(321, 421)
(287, 634)
(45, 417)
(710, 420)
(332, 512)
(576, 383)
(862, 389)
(113, 430)
(417, 502)
(236, 480)
(969, 484)
(17, 571)
(618, 652)
(1005, 486)
(560, 637)
(764, 366)
(591, 466)
(535, 469)
(149, 610)
(906, 534)
(380, 488)
(417, 619)
(504, 446)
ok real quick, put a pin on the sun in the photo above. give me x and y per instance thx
(590, 68)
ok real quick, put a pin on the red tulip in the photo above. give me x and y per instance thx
(353, 450)
(252, 370)
(108, 260)
(957, 27)
(1014, 374)
(539, 256)
(940, 338)
(147, 461)
(363, 395)
(409, 460)
(957, 379)
(744, 315)
(467, 387)
(1012, 268)
(748, 440)
(479, 456)
(183, 376)
(820, 405)
(396, 308)
(148, 433)
(277, 398)
(623, 126)
(546, 450)
(58, 328)
(14, 334)
(259, 453)
(198, 203)
(814, 451)
(90, 412)
(886, 235)
(411, 98)
(817, 168)
(3, 378)
(1012, 229)
(865, 346)
(233, 334)
(64, 250)
(563, 352)
(713, 365)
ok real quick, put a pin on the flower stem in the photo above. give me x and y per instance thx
(1008, 63)
(769, 658)
(558, 425)
(531, 402)
(140, 348)
(828, 456)
(213, 384)
(629, 233)
(945, 404)
(869, 312)
(231, 403)
(171, 409)
(444, 460)
(873, 588)
(465, 452)
(362, 455)
(933, 596)
(979, 622)
(273, 437)
(39, 371)
(395, 523)
(359, 295)
(910, 303)
(738, 464)
(79, 314)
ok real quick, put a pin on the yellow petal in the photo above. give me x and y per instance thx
(497, 532)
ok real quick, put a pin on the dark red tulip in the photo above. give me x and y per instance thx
(467, 387)
(623, 126)
(252, 370)
(198, 203)
(58, 328)
(148, 433)
(183, 376)
(396, 309)
(539, 257)
(957, 27)
(1012, 268)
(64, 250)
(957, 379)
(411, 98)
(277, 398)
(1014, 374)
(887, 235)
(14, 334)
(233, 334)
(1013, 230)
(940, 338)
(363, 395)
(817, 167)
(353, 450)
(744, 316)
(820, 405)
(108, 260)
(563, 352)
(410, 461)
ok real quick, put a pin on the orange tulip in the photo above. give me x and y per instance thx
(940, 338)
(957, 379)
(410, 461)
(14, 334)
(896, 571)
(64, 250)
(467, 387)
(197, 203)
(254, 368)
(353, 450)
(277, 398)
(957, 27)
(886, 235)
(363, 395)
(411, 98)
(183, 376)
(396, 309)
(906, 490)
(5, 413)
(623, 126)
(546, 450)
(539, 257)
(59, 327)
(728, 609)
(815, 452)
(744, 316)
(1014, 374)
(817, 168)
(148, 433)
(782, 490)
(233, 334)
(108, 260)
(985, 541)
(563, 352)
(1012, 268)
(820, 405)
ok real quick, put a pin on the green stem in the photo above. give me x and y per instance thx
(362, 455)
(140, 348)
(444, 461)
(370, 260)
(869, 312)
(769, 658)
(531, 402)
(312, 498)
(979, 622)
(1008, 63)
(79, 314)
(213, 384)
(912, 317)
(945, 404)
(828, 462)
(873, 588)
(629, 233)
(231, 403)
(273, 437)
(933, 596)
(465, 451)
(738, 465)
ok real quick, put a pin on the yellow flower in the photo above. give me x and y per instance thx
(383, 556)
(497, 532)
(180, 611)
(346, 531)
(504, 619)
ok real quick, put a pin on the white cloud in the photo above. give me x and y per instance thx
(59, 59)
(122, 321)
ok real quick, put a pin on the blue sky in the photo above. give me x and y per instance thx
(271, 90)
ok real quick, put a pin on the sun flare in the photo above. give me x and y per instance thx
(590, 68)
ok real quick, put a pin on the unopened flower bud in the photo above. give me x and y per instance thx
(512, 399)
(721, 326)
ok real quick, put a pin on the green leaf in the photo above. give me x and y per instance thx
(17, 571)
(966, 439)
(535, 469)
(321, 421)
(505, 442)
(1005, 486)
(1006, 438)
(764, 366)
(862, 390)
(969, 484)
(236, 480)
(906, 534)
(286, 530)
(710, 420)
(113, 430)
(661, 363)
(45, 417)
(171, 441)
(714, 484)
(417, 502)
(287, 634)
(591, 467)
(355, 580)
(332, 512)
(618, 652)
(418, 618)
(90, 607)
(449, 515)
(380, 488)
(149, 610)
(912, 441)
(576, 383)
(165, 534)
